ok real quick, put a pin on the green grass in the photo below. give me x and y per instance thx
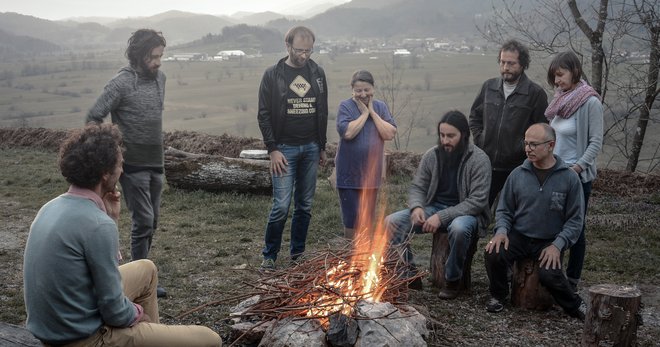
(208, 245)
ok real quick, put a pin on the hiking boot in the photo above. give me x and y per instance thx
(416, 284)
(494, 305)
(450, 291)
(268, 264)
(161, 292)
(580, 312)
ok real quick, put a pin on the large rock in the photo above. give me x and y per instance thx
(294, 333)
(390, 326)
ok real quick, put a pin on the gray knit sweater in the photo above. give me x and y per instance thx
(135, 103)
(474, 174)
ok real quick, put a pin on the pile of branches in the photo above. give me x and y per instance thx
(307, 286)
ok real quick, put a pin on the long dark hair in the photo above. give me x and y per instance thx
(141, 43)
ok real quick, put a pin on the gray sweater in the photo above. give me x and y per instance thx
(474, 174)
(135, 103)
(549, 211)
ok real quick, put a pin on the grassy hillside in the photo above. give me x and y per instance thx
(209, 244)
(221, 96)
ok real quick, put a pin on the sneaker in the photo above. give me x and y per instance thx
(581, 312)
(268, 264)
(494, 305)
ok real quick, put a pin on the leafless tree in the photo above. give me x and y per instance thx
(649, 19)
(407, 116)
(604, 31)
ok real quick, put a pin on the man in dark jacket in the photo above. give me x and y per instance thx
(504, 108)
(293, 118)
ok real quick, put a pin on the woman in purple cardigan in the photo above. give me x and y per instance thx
(363, 124)
(576, 114)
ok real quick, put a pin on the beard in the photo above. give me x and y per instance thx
(452, 156)
(147, 72)
(511, 77)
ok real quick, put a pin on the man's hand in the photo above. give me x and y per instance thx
(278, 163)
(112, 202)
(145, 318)
(323, 158)
(417, 216)
(550, 258)
(495, 243)
(432, 224)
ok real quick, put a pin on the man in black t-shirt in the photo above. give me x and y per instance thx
(293, 117)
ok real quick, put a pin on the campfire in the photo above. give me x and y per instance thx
(336, 291)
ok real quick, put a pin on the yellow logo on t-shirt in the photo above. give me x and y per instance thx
(300, 86)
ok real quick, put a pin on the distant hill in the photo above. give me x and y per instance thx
(395, 18)
(260, 18)
(177, 26)
(15, 46)
(252, 39)
(354, 19)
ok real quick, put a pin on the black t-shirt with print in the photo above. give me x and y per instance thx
(300, 120)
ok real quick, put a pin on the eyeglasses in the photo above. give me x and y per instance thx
(509, 63)
(533, 145)
(300, 51)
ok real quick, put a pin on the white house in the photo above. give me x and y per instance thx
(232, 54)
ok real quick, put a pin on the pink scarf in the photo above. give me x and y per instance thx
(565, 103)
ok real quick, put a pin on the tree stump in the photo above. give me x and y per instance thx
(217, 173)
(613, 316)
(439, 255)
(526, 289)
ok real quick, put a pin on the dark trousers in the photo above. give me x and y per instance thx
(521, 247)
(578, 250)
(497, 181)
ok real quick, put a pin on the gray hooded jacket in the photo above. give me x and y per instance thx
(135, 103)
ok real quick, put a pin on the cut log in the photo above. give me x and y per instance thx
(217, 173)
(439, 255)
(526, 289)
(14, 335)
(613, 316)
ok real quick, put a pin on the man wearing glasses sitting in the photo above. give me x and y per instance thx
(539, 215)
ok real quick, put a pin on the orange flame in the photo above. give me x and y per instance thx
(371, 240)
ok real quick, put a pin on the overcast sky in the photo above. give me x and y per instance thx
(61, 9)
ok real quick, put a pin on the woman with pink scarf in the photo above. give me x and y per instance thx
(576, 114)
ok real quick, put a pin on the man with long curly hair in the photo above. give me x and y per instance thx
(75, 291)
(134, 98)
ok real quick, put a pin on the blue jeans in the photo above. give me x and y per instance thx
(299, 181)
(578, 250)
(460, 232)
(142, 191)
